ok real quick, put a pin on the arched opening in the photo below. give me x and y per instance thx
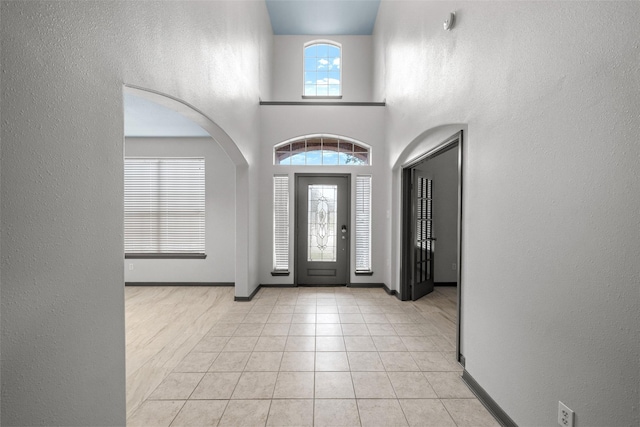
(229, 147)
(433, 160)
(225, 164)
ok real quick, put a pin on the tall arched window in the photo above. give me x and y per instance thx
(322, 69)
(321, 150)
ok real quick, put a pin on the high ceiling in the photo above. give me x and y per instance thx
(323, 17)
(288, 17)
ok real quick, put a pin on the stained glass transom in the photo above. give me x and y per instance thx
(321, 151)
(323, 205)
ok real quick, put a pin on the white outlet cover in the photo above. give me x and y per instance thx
(565, 415)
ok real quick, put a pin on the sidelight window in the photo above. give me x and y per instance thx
(281, 223)
(363, 223)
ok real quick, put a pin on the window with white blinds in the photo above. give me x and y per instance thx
(164, 206)
(281, 223)
(363, 223)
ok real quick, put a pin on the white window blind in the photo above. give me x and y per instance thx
(363, 223)
(281, 223)
(164, 206)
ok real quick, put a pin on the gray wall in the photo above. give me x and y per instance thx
(219, 266)
(357, 67)
(63, 68)
(548, 94)
(443, 169)
(365, 124)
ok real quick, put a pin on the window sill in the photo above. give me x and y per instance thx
(364, 273)
(326, 103)
(321, 97)
(280, 273)
(166, 256)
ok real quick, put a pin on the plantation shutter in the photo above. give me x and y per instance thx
(363, 223)
(164, 203)
(281, 222)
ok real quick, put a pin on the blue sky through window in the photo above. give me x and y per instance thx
(321, 150)
(322, 70)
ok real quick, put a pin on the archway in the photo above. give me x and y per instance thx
(241, 182)
(419, 161)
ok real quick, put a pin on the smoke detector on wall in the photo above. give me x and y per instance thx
(448, 22)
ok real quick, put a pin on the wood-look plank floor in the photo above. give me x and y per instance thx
(163, 324)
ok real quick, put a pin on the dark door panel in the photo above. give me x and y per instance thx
(322, 230)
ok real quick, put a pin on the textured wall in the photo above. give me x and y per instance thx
(219, 265)
(549, 91)
(63, 67)
(357, 67)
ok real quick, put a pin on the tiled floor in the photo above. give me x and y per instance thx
(296, 357)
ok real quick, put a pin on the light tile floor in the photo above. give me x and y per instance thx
(297, 357)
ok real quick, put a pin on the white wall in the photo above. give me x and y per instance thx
(357, 67)
(219, 266)
(365, 124)
(63, 68)
(1, 60)
(549, 93)
(443, 169)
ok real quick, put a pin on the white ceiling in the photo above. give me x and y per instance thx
(323, 17)
(146, 118)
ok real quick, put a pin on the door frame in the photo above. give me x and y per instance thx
(406, 226)
(296, 234)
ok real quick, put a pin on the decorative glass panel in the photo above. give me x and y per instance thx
(323, 206)
(320, 150)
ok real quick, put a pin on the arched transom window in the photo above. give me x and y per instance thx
(322, 69)
(321, 150)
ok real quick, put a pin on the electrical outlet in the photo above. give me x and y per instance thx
(565, 415)
(454, 266)
(130, 266)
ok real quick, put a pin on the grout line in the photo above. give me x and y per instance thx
(310, 302)
(447, 409)
(178, 413)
